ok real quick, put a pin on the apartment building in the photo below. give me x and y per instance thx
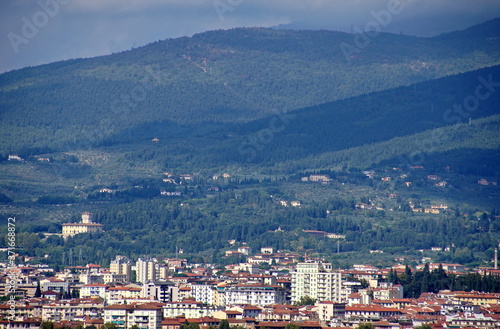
(146, 270)
(145, 316)
(255, 294)
(316, 280)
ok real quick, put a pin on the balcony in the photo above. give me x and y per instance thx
(141, 319)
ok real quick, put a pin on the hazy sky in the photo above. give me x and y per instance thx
(34, 32)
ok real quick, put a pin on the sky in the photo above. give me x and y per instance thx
(34, 32)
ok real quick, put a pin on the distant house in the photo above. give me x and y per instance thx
(364, 206)
(13, 157)
(315, 233)
(52, 295)
(335, 236)
(386, 179)
(431, 211)
(233, 253)
(267, 250)
(295, 203)
(169, 193)
(483, 181)
(319, 178)
(440, 206)
(441, 184)
(369, 173)
(448, 267)
(245, 250)
(433, 177)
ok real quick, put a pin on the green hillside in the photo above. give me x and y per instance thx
(482, 135)
(312, 131)
(117, 135)
(220, 76)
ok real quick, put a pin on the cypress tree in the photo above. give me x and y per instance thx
(38, 291)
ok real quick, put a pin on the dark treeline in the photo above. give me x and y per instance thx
(433, 281)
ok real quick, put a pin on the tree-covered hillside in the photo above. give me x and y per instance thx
(221, 76)
(315, 132)
(191, 142)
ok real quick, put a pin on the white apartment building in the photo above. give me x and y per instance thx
(191, 309)
(121, 266)
(316, 280)
(71, 311)
(93, 290)
(116, 293)
(255, 294)
(145, 316)
(146, 270)
(204, 292)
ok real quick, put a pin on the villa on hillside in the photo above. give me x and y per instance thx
(86, 226)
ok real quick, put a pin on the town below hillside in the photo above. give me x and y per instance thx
(271, 289)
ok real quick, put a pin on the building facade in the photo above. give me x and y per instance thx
(145, 316)
(121, 266)
(318, 281)
(85, 226)
(161, 291)
(146, 270)
(255, 294)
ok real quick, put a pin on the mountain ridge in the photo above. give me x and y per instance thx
(223, 76)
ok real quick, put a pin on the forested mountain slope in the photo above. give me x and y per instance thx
(221, 76)
(324, 128)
